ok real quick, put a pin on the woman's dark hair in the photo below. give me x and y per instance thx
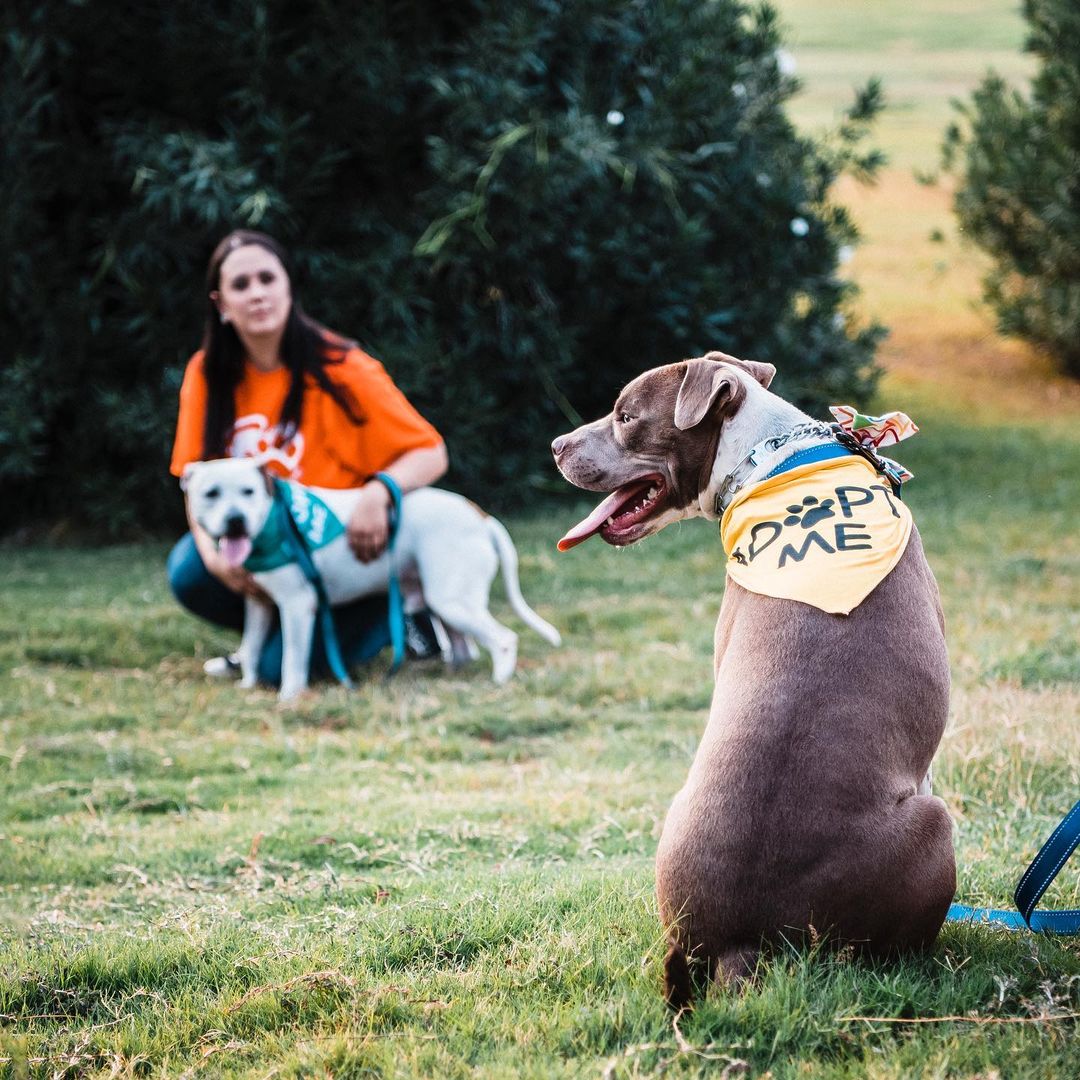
(307, 348)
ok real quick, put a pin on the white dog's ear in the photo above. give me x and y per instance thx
(763, 373)
(260, 461)
(187, 474)
(705, 384)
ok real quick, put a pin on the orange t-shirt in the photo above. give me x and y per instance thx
(328, 450)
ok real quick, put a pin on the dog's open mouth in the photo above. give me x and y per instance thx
(618, 519)
(235, 549)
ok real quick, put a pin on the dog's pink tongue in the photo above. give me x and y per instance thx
(591, 525)
(235, 550)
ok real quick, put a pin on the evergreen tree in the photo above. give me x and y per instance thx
(1019, 197)
(517, 207)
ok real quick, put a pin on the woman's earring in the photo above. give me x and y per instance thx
(223, 317)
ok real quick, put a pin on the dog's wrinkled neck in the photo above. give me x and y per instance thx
(741, 455)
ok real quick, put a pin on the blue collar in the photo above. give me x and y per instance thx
(822, 452)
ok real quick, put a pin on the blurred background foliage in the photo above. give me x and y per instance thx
(517, 207)
(1018, 156)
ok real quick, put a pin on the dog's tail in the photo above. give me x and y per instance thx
(678, 985)
(509, 561)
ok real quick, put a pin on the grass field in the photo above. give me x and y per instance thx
(432, 877)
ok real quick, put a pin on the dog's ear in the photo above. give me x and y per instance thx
(705, 384)
(187, 475)
(260, 461)
(763, 373)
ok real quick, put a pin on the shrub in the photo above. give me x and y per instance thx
(516, 207)
(1019, 197)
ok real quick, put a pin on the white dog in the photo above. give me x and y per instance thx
(452, 546)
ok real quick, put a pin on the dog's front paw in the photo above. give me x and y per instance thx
(290, 695)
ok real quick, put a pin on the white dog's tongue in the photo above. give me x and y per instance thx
(591, 525)
(235, 550)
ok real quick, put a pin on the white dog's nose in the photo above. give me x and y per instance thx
(235, 526)
(559, 445)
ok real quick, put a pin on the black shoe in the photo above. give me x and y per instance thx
(421, 642)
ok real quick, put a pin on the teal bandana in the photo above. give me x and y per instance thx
(317, 523)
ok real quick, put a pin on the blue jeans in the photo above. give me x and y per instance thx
(362, 625)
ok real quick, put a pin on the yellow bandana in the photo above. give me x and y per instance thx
(825, 533)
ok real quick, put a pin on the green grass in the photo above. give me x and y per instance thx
(436, 877)
(927, 54)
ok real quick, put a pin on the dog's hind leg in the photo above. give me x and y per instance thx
(457, 577)
(919, 880)
(499, 640)
(460, 649)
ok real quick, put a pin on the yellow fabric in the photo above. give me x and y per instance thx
(825, 534)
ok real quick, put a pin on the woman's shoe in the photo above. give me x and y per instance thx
(222, 667)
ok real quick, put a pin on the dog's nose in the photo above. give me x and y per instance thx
(235, 526)
(559, 445)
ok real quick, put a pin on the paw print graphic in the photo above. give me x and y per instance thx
(809, 512)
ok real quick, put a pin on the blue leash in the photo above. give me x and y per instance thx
(1029, 890)
(395, 604)
(302, 554)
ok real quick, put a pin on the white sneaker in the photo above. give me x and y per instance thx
(222, 667)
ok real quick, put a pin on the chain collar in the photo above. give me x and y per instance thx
(734, 481)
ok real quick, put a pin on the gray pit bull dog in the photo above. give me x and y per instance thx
(445, 541)
(808, 807)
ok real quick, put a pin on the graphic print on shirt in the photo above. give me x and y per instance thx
(255, 436)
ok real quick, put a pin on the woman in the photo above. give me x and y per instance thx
(271, 381)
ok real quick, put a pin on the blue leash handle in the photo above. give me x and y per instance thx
(395, 604)
(302, 553)
(1044, 868)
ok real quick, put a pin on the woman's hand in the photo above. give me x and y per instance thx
(368, 527)
(234, 577)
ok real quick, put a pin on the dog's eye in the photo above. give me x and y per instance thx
(625, 418)
(247, 492)
(212, 493)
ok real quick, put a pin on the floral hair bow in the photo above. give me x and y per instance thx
(875, 432)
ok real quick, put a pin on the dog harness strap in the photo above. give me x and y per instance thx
(298, 543)
(395, 603)
(1044, 868)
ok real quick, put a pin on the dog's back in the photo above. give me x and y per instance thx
(802, 807)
